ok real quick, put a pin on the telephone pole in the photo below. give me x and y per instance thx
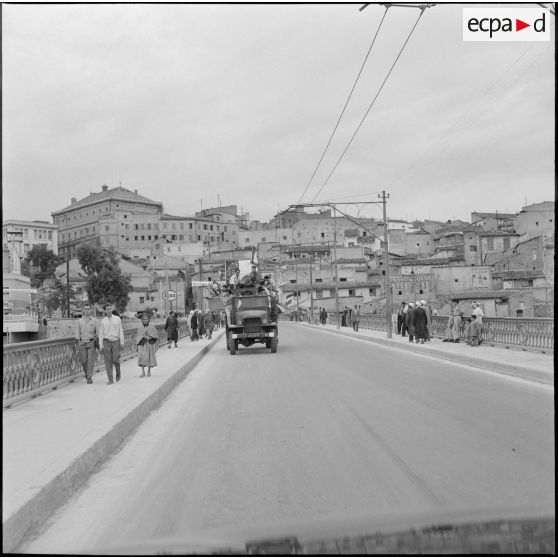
(387, 282)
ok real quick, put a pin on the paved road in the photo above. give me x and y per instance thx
(328, 426)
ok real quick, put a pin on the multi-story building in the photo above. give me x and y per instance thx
(226, 214)
(535, 219)
(494, 221)
(107, 216)
(286, 219)
(21, 236)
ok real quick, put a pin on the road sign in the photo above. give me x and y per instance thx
(169, 295)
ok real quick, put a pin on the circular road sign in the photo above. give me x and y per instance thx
(169, 295)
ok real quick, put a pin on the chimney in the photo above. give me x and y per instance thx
(104, 187)
(136, 192)
(74, 200)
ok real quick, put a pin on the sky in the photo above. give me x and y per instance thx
(195, 105)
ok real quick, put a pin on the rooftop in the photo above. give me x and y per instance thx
(473, 295)
(118, 193)
(295, 287)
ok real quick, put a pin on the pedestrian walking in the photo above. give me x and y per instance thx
(479, 314)
(448, 334)
(404, 321)
(409, 321)
(171, 327)
(146, 340)
(456, 327)
(475, 330)
(201, 326)
(86, 334)
(194, 326)
(356, 317)
(401, 318)
(428, 312)
(420, 323)
(344, 318)
(111, 338)
(208, 324)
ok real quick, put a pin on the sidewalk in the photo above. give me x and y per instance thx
(533, 366)
(54, 443)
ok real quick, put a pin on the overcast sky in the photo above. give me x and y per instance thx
(190, 102)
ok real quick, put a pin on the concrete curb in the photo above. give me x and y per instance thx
(525, 373)
(38, 509)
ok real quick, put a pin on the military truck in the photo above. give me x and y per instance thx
(251, 318)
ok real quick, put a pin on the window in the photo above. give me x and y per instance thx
(180, 237)
(247, 239)
(199, 237)
(399, 292)
(343, 279)
(319, 280)
(293, 280)
(372, 291)
(156, 246)
(135, 237)
(284, 238)
(189, 225)
(106, 227)
(490, 243)
(210, 227)
(173, 237)
(142, 237)
(472, 248)
(351, 292)
(456, 280)
(148, 226)
(148, 237)
(506, 243)
(322, 235)
(125, 216)
(319, 294)
(182, 225)
(142, 299)
(136, 226)
(173, 226)
(351, 244)
(152, 299)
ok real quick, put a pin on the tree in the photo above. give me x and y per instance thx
(40, 264)
(58, 297)
(106, 284)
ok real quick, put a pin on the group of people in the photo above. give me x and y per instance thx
(201, 324)
(415, 320)
(108, 338)
(472, 327)
(322, 316)
(351, 317)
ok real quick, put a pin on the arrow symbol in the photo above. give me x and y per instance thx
(519, 25)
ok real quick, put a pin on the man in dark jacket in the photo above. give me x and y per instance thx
(171, 327)
(409, 321)
(419, 323)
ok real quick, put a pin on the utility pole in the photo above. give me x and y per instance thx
(68, 282)
(311, 295)
(387, 281)
(335, 264)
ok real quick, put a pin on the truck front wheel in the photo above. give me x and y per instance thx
(274, 344)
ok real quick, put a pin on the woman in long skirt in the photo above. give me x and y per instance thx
(146, 340)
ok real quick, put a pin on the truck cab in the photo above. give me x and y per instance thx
(251, 318)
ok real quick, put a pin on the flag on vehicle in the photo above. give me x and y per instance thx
(231, 267)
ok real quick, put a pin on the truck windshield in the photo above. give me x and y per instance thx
(252, 302)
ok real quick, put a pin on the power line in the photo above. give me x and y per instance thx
(344, 108)
(371, 105)
(473, 122)
(463, 114)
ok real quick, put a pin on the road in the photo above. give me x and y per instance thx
(328, 426)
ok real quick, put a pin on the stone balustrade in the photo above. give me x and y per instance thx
(524, 333)
(38, 366)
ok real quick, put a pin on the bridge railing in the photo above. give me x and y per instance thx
(524, 333)
(32, 368)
